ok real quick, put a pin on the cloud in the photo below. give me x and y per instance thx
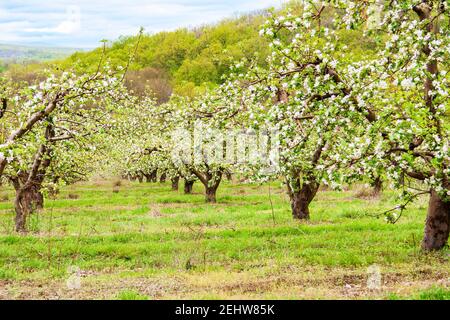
(61, 23)
(71, 25)
(65, 27)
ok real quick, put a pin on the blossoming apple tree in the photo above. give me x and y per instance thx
(199, 146)
(303, 98)
(406, 88)
(60, 109)
(385, 111)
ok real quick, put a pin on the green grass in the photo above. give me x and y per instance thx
(156, 243)
(433, 293)
(131, 295)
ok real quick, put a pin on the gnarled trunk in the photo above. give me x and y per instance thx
(29, 198)
(23, 205)
(154, 176)
(301, 197)
(38, 197)
(28, 184)
(437, 226)
(175, 182)
(377, 185)
(188, 186)
(211, 182)
(210, 194)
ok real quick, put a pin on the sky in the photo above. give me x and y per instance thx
(83, 23)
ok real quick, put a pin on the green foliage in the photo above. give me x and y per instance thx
(194, 59)
(131, 295)
(435, 293)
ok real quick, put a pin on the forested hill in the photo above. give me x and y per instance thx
(186, 60)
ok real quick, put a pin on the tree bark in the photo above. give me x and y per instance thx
(188, 185)
(175, 182)
(140, 178)
(38, 197)
(301, 197)
(211, 182)
(377, 185)
(163, 178)
(153, 176)
(210, 194)
(28, 184)
(23, 208)
(437, 226)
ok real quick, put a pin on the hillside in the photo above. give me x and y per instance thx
(186, 61)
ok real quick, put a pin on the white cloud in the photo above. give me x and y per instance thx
(56, 22)
(3, 13)
(65, 27)
(71, 25)
(163, 9)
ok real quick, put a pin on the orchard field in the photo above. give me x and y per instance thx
(144, 241)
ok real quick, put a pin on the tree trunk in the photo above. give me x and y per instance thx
(28, 184)
(377, 185)
(140, 178)
(23, 207)
(153, 176)
(163, 178)
(38, 198)
(175, 182)
(210, 194)
(301, 197)
(437, 226)
(188, 185)
(28, 199)
(229, 176)
(148, 178)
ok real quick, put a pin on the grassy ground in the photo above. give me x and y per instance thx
(147, 242)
